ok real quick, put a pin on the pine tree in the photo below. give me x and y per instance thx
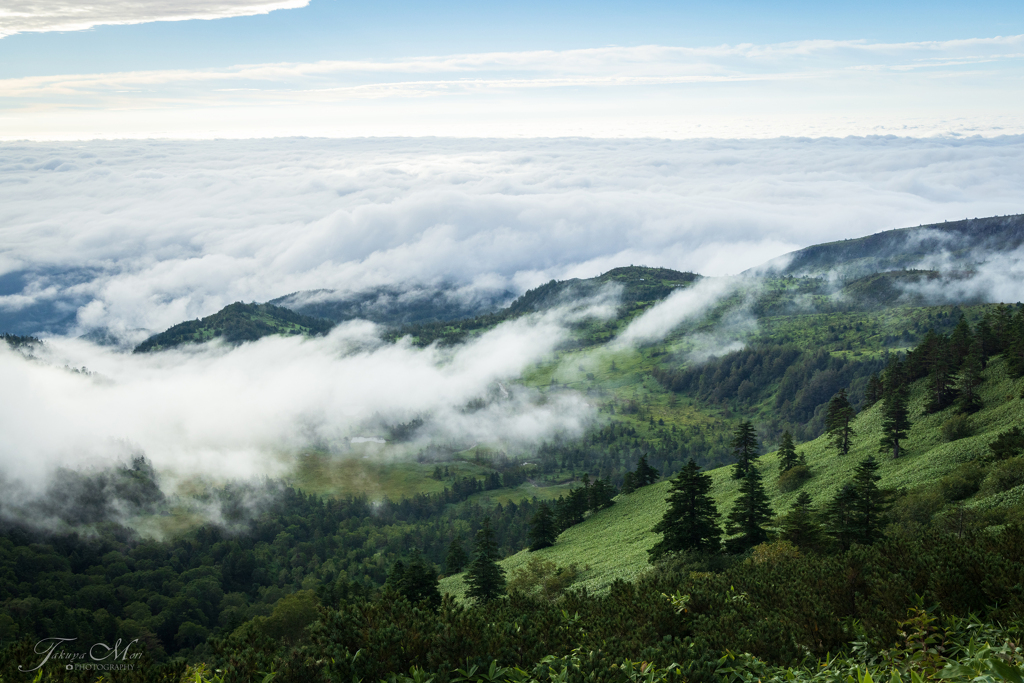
(485, 579)
(629, 483)
(600, 495)
(870, 504)
(968, 380)
(895, 421)
(744, 448)
(838, 423)
(396, 575)
(749, 515)
(873, 393)
(456, 558)
(960, 342)
(787, 453)
(1008, 444)
(799, 526)
(857, 513)
(839, 516)
(691, 521)
(645, 474)
(939, 360)
(419, 582)
(542, 528)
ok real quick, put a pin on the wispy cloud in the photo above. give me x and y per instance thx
(814, 87)
(24, 16)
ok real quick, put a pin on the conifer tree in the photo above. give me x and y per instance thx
(744, 448)
(960, 342)
(419, 582)
(691, 521)
(1008, 444)
(456, 558)
(799, 526)
(968, 380)
(873, 392)
(629, 483)
(485, 579)
(870, 505)
(542, 528)
(857, 513)
(749, 515)
(788, 458)
(600, 495)
(895, 421)
(838, 423)
(839, 516)
(645, 474)
(939, 361)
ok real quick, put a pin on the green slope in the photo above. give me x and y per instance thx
(235, 324)
(612, 544)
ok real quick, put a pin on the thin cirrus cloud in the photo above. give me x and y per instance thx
(33, 16)
(814, 87)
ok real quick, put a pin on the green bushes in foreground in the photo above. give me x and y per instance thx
(775, 614)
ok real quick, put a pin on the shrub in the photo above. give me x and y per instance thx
(1003, 477)
(961, 483)
(957, 427)
(793, 478)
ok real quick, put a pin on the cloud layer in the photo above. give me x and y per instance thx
(228, 413)
(21, 16)
(138, 236)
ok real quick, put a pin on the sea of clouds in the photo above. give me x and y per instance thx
(135, 236)
(131, 237)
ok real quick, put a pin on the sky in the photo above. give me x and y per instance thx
(263, 68)
(162, 159)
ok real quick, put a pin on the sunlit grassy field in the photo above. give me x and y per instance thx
(612, 544)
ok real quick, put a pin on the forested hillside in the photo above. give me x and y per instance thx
(235, 324)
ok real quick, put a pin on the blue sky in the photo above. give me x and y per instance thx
(330, 29)
(740, 69)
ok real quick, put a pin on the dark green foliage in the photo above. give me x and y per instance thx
(418, 582)
(640, 285)
(783, 610)
(543, 531)
(691, 521)
(628, 483)
(895, 411)
(857, 513)
(485, 579)
(800, 527)
(968, 380)
(214, 579)
(1008, 444)
(838, 423)
(644, 475)
(749, 515)
(787, 453)
(456, 558)
(235, 324)
(794, 477)
(1005, 475)
(797, 382)
(744, 449)
(874, 392)
(600, 495)
(935, 354)
(17, 341)
(957, 427)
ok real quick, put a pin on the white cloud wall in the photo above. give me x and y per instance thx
(158, 232)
